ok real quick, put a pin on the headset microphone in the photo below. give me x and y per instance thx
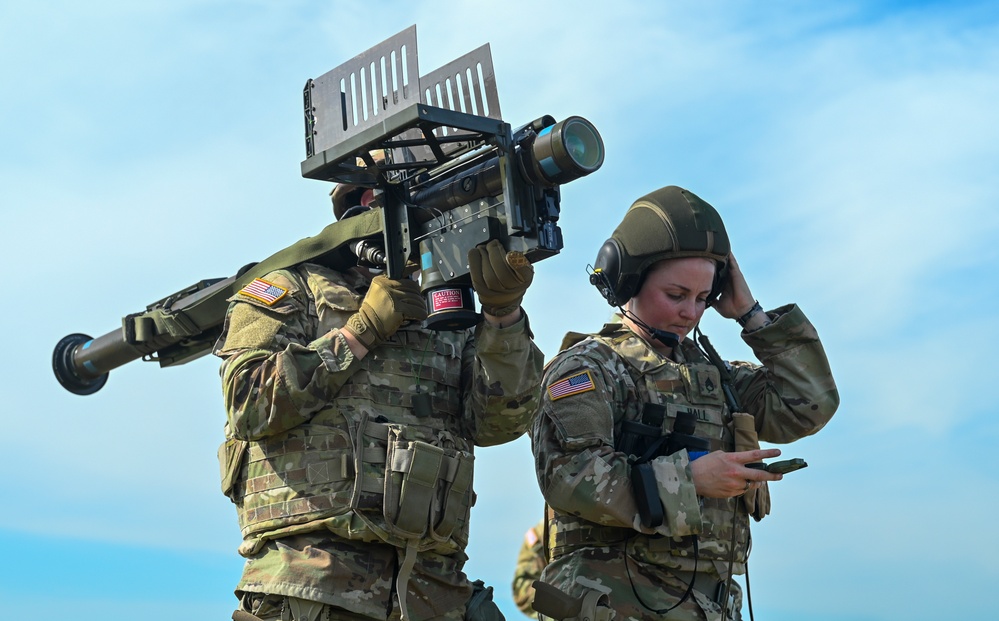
(666, 338)
(669, 339)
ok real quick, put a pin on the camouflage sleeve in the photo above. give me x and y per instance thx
(793, 394)
(502, 371)
(580, 472)
(530, 564)
(276, 373)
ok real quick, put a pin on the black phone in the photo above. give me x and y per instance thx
(780, 467)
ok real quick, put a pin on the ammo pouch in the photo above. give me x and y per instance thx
(643, 441)
(646, 441)
(411, 491)
(428, 489)
(232, 454)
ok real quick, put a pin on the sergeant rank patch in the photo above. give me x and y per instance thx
(572, 385)
(266, 292)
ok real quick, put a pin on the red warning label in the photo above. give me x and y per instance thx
(445, 299)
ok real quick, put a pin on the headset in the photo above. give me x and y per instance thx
(607, 278)
(618, 284)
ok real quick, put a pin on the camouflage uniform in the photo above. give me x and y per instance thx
(530, 564)
(342, 477)
(597, 540)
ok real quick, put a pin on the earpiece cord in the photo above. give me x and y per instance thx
(731, 563)
(683, 598)
(749, 592)
(726, 377)
(697, 337)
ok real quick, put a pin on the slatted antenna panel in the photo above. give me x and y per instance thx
(362, 92)
(376, 102)
(466, 84)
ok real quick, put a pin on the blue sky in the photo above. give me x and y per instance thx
(851, 147)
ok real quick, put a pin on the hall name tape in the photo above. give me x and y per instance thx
(572, 385)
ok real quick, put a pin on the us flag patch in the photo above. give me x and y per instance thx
(572, 385)
(266, 292)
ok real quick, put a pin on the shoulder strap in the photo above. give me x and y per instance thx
(325, 248)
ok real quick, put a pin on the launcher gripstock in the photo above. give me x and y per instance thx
(447, 174)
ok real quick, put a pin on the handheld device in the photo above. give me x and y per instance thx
(780, 467)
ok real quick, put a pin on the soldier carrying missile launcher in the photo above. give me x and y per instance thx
(355, 393)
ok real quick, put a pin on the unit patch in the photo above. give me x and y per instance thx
(266, 292)
(572, 385)
(531, 537)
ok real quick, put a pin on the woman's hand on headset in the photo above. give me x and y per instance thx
(736, 299)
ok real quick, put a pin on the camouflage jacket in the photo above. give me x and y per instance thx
(593, 386)
(319, 441)
(530, 564)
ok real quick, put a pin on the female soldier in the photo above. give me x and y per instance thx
(640, 442)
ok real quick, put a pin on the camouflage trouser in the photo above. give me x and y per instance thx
(280, 608)
(641, 591)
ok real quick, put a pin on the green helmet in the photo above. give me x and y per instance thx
(669, 223)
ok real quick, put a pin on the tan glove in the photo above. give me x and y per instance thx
(757, 500)
(386, 306)
(499, 277)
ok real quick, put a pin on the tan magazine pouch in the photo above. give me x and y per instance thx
(757, 501)
(427, 493)
(428, 489)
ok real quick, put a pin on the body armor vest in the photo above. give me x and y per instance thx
(374, 463)
(693, 387)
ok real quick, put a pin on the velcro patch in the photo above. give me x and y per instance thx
(573, 385)
(266, 292)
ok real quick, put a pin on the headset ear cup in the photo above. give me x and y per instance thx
(607, 273)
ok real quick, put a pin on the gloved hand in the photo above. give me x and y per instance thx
(756, 500)
(499, 277)
(386, 306)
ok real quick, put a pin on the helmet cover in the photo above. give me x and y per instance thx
(669, 223)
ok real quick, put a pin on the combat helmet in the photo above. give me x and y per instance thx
(347, 197)
(350, 199)
(668, 223)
